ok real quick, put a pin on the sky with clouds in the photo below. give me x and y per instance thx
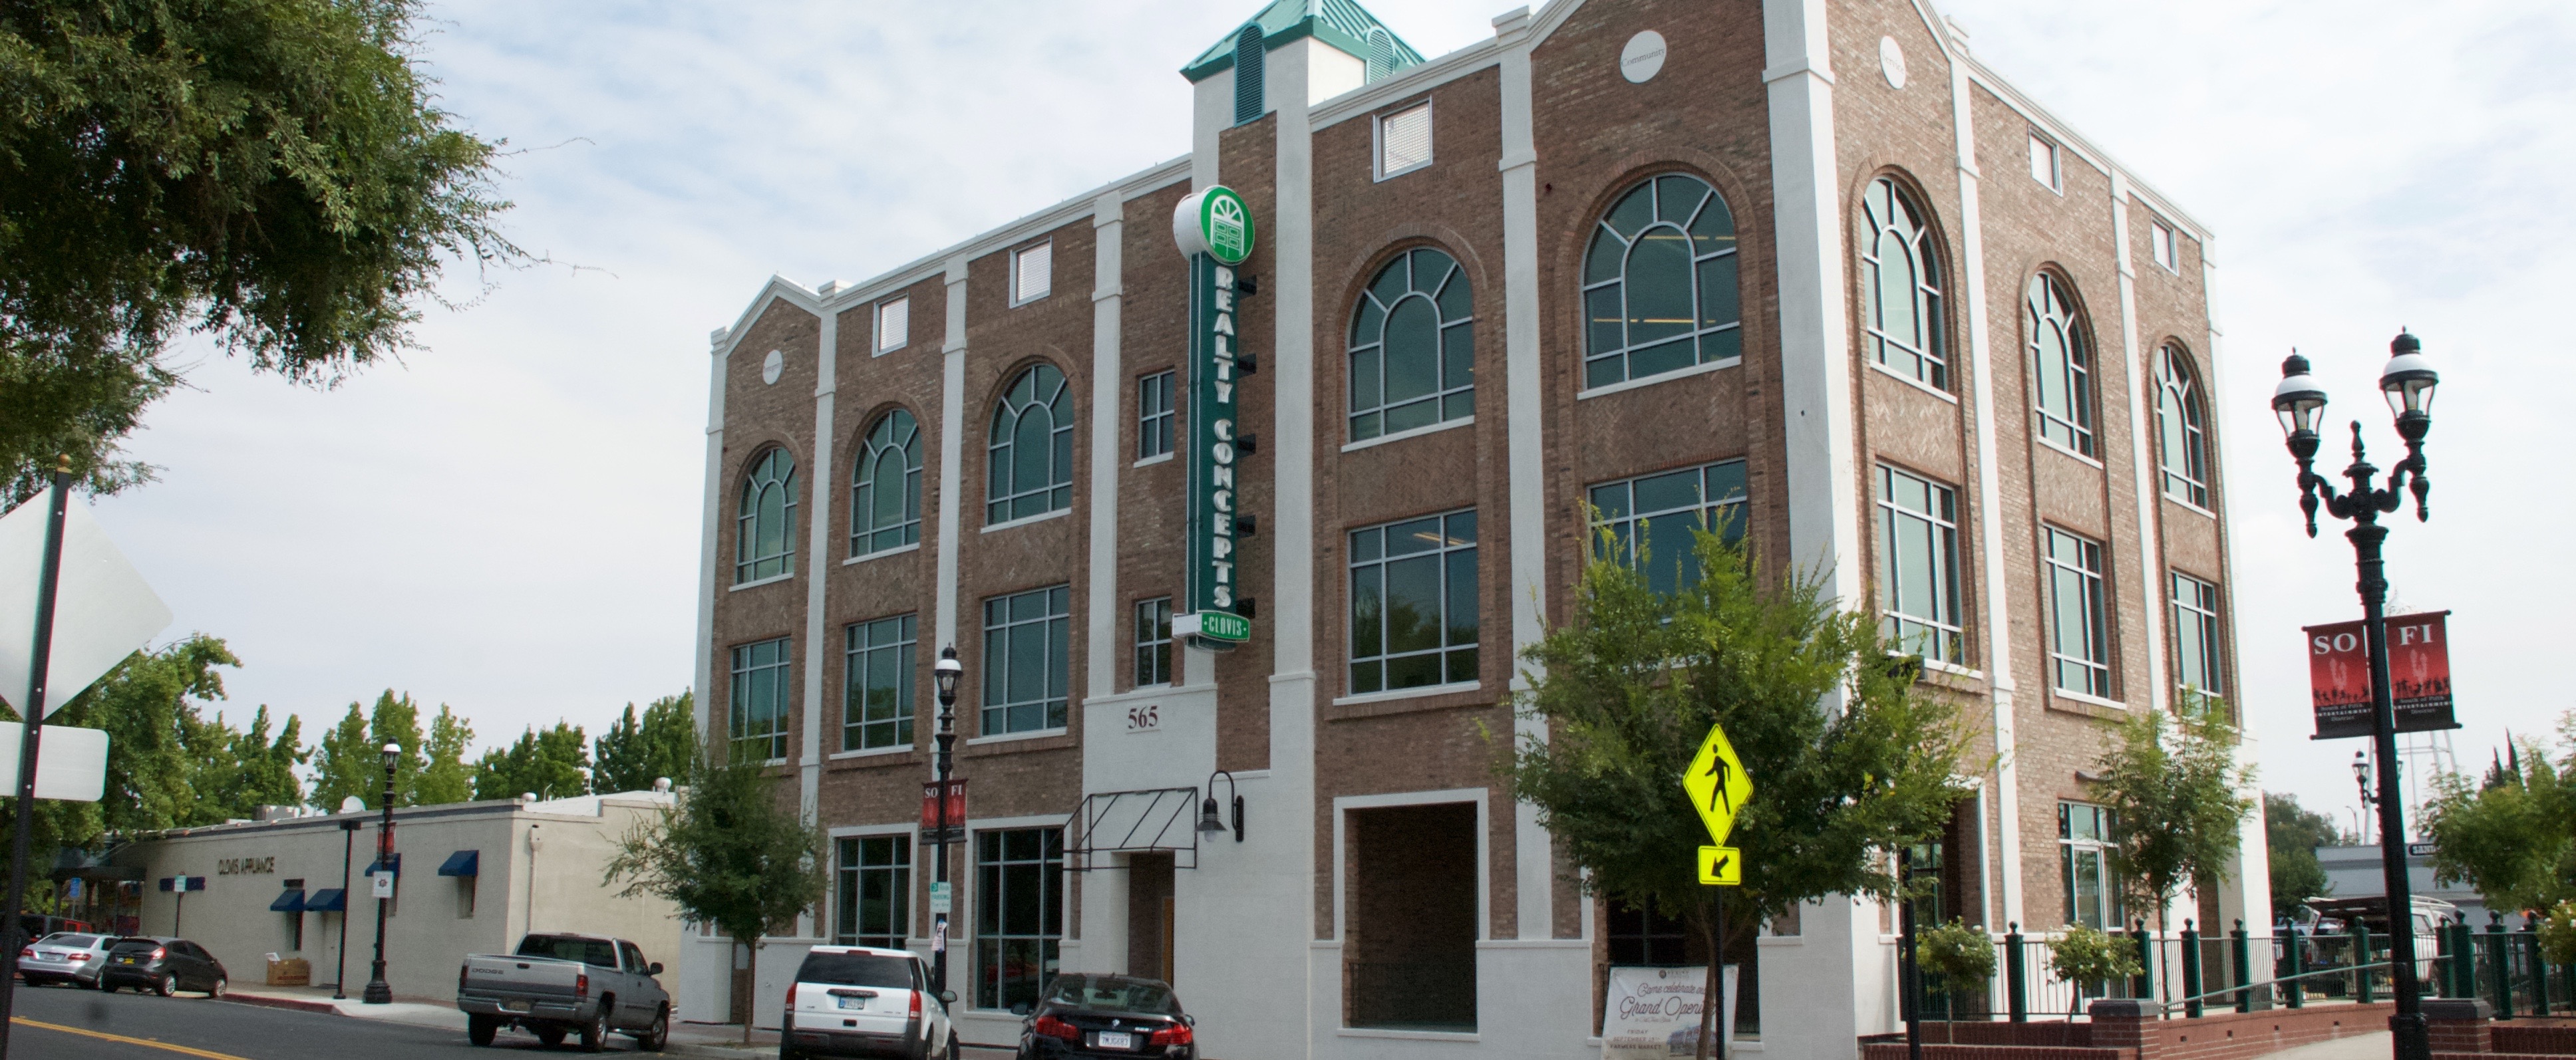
(508, 521)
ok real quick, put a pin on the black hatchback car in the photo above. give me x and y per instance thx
(1085, 1014)
(163, 966)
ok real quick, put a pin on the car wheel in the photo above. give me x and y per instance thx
(106, 987)
(479, 1029)
(167, 985)
(220, 984)
(654, 1037)
(595, 1033)
(952, 1043)
(549, 1035)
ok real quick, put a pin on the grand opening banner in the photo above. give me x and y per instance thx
(2419, 675)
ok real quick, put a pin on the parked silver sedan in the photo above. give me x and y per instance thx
(64, 957)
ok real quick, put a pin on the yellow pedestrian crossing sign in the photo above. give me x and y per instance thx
(1717, 785)
(1721, 866)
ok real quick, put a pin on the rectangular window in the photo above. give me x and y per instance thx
(2196, 643)
(1032, 273)
(1918, 567)
(875, 907)
(1019, 914)
(1640, 936)
(1027, 662)
(2080, 644)
(894, 324)
(876, 685)
(1404, 141)
(2084, 861)
(2160, 244)
(2043, 163)
(1652, 520)
(758, 711)
(1413, 603)
(1157, 402)
(1154, 642)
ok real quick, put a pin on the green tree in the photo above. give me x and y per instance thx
(550, 762)
(444, 777)
(631, 755)
(148, 706)
(732, 853)
(396, 720)
(267, 776)
(347, 763)
(2513, 840)
(273, 174)
(2294, 833)
(2175, 791)
(1849, 761)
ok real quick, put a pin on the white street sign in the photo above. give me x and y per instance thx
(71, 764)
(103, 610)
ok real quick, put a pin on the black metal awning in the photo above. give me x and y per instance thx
(1154, 820)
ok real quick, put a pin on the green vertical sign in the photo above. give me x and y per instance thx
(1214, 229)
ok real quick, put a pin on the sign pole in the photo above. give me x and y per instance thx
(49, 578)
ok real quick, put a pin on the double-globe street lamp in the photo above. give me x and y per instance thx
(946, 673)
(2407, 382)
(380, 992)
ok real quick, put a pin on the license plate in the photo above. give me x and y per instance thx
(852, 1002)
(518, 1006)
(1116, 1040)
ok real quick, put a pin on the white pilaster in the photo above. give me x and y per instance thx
(1523, 387)
(952, 445)
(710, 527)
(1996, 600)
(1108, 384)
(1287, 869)
(819, 501)
(2142, 452)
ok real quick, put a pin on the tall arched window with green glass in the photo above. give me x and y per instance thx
(1901, 287)
(1413, 347)
(764, 543)
(2182, 427)
(2061, 363)
(1659, 283)
(1029, 460)
(885, 492)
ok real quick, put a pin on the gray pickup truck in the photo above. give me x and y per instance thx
(559, 985)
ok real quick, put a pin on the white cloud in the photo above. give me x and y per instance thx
(509, 523)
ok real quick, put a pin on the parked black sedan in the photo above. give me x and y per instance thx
(1085, 1014)
(163, 966)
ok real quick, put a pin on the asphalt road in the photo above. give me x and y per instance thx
(57, 1023)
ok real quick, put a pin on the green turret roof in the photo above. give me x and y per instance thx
(1340, 23)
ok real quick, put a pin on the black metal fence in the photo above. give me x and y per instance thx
(2191, 973)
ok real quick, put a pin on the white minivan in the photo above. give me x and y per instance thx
(866, 1002)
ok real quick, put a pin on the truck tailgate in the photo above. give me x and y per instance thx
(532, 978)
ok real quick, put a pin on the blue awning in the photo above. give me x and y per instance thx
(462, 863)
(327, 900)
(389, 863)
(289, 902)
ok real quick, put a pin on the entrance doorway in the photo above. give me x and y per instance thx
(1149, 916)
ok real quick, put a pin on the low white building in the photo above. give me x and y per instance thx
(472, 878)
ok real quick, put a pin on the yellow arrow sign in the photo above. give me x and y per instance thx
(1721, 866)
(1717, 784)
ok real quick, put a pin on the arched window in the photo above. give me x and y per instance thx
(885, 492)
(764, 542)
(2181, 428)
(2063, 364)
(1413, 347)
(1250, 54)
(1659, 290)
(1030, 458)
(1901, 288)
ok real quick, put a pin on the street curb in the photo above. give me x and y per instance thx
(298, 1004)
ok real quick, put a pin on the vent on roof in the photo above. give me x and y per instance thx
(1381, 55)
(1249, 51)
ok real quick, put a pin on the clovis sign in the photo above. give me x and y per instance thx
(1214, 230)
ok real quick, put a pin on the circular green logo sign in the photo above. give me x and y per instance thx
(1214, 222)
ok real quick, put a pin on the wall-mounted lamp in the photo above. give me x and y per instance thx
(1209, 824)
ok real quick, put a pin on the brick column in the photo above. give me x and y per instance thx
(2123, 1023)
(2459, 1025)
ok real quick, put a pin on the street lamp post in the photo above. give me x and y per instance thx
(945, 672)
(2407, 382)
(380, 992)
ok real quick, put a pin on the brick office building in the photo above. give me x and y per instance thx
(1804, 262)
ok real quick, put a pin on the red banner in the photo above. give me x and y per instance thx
(930, 808)
(2419, 675)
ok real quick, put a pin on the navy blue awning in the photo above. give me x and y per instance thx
(389, 863)
(289, 902)
(462, 863)
(327, 900)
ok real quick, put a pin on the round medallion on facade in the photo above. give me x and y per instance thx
(772, 365)
(1891, 62)
(1643, 58)
(1213, 221)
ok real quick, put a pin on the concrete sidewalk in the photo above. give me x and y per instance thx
(2372, 1046)
(418, 1011)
